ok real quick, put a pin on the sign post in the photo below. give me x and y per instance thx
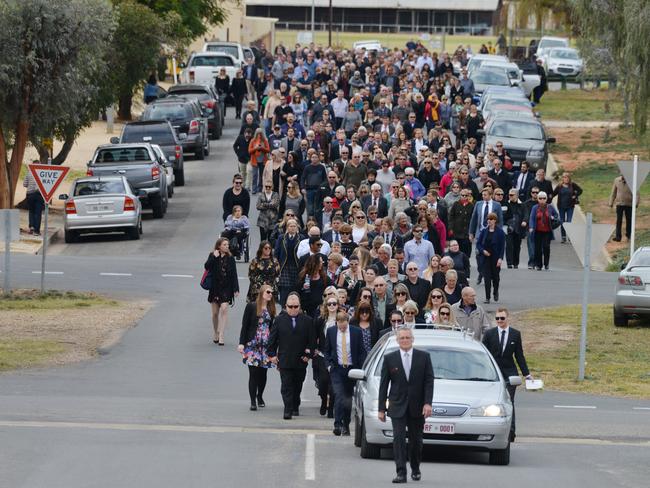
(634, 171)
(9, 231)
(48, 178)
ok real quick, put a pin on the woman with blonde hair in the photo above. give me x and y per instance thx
(360, 227)
(433, 268)
(434, 300)
(446, 316)
(393, 277)
(253, 342)
(400, 296)
(326, 319)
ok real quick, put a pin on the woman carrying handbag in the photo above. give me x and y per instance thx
(224, 287)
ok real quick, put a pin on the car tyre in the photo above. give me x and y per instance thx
(198, 152)
(368, 451)
(500, 457)
(620, 319)
(170, 191)
(357, 432)
(158, 207)
(70, 236)
(134, 232)
(206, 151)
(179, 176)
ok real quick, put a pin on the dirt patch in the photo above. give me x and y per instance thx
(80, 331)
(543, 336)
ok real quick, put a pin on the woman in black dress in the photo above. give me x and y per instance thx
(263, 270)
(225, 286)
(326, 319)
(238, 90)
(285, 251)
(312, 281)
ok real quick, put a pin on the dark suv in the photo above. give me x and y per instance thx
(158, 132)
(187, 117)
(211, 102)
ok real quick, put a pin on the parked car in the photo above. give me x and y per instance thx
(202, 68)
(209, 99)
(369, 46)
(526, 83)
(101, 204)
(524, 139)
(139, 165)
(158, 132)
(234, 49)
(471, 406)
(502, 103)
(169, 169)
(502, 92)
(632, 299)
(477, 60)
(187, 117)
(563, 61)
(547, 43)
(483, 78)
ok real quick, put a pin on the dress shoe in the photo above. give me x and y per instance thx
(345, 431)
(616, 239)
(496, 296)
(479, 280)
(323, 407)
(337, 431)
(486, 301)
(510, 266)
(399, 479)
(260, 402)
(330, 414)
(286, 416)
(416, 476)
(253, 407)
(295, 413)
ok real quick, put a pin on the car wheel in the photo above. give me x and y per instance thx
(165, 203)
(368, 451)
(157, 206)
(357, 432)
(179, 176)
(620, 319)
(170, 191)
(71, 236)
(207, 147)
(500, 457)
(134, 232)
(198, 152)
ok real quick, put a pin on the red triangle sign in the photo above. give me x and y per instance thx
(48, 178)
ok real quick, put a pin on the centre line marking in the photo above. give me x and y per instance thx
(176, 276)
(49, 272)
(589, 407)
(310, 457)
(115, 274)
(640, 408)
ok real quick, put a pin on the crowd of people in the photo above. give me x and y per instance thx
(373, 197)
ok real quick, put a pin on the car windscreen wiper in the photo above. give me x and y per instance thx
(475, 379)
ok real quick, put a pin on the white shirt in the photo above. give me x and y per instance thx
(505, 338)
(339, 343)
(407, 361)
(303, 248)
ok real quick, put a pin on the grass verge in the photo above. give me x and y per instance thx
(583, 105)
(618, 358)
(61, 327)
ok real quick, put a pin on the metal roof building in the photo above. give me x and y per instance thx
(459, 17)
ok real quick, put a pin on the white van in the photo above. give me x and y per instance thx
(233, 48)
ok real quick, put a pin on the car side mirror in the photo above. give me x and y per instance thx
(550, 139)
(357, 374)
(63, 196)
(115, 140)
(514, 380)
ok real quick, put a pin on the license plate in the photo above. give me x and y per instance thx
(433, 428)
(100, 208)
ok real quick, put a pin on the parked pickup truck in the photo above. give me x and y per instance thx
(203, 68)
(140, 165)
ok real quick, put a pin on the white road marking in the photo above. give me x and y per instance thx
(589, 407)
(310, 457)
(177, 276)
(115, 274)
(49, 272)
(640, 408)
(242, 277)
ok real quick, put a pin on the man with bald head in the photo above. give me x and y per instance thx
(469, 315)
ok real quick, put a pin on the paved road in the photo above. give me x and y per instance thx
(168, 408)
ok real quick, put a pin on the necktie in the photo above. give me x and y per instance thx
(486, 209)
(344, 349)
(407, 365)
(520, 181)
(293, 322)
(336, 237)
(374, 202)
(501, 342)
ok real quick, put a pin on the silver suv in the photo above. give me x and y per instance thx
(471, 406)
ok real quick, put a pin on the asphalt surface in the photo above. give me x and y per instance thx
(168, 408)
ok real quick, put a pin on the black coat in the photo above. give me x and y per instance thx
(513, 351)
(223, 285)
(375, 327)
(406, 396)
(249, 324)
(291, 345)
(230, 200)
(419, 291)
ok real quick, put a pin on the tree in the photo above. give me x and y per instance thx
(51, 53)
(195, 15)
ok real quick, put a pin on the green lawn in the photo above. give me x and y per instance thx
(576, 104)
(618, 358)
(24, 353)
(31, 300)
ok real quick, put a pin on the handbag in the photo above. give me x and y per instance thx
(555, 222)
(206, 280)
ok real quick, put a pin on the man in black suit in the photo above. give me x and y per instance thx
(418, 288)
(290, 346)
(410, 375)
(521, 179)
(504, 343)
(344, 351)
(375, 199)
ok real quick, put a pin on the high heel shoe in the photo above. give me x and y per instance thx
(260, 402)
(253, 407)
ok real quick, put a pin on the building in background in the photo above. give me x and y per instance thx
(426, 16)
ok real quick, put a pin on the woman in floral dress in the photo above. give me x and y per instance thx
(253, 341)
(264, 269)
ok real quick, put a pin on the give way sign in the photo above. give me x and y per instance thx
(48, 178)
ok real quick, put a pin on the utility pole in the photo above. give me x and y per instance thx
(313, 14)
(329, 36)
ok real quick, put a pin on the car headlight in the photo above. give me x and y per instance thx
(535, 153)
(494, 410)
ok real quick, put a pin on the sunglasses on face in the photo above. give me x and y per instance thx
(444, 314)
(499, 318)
(398, 321)
(332, 304)
(293, 306)
(365, 297)
(238, 182)
(439, 297)
(409, 312)
(400, 294)
(364, 312)
(411, 269)
(269, 292)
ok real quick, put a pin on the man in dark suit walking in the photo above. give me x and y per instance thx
(410, 375)
(375, 199)
(290, 346)
(504, 343)
(344, 351)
